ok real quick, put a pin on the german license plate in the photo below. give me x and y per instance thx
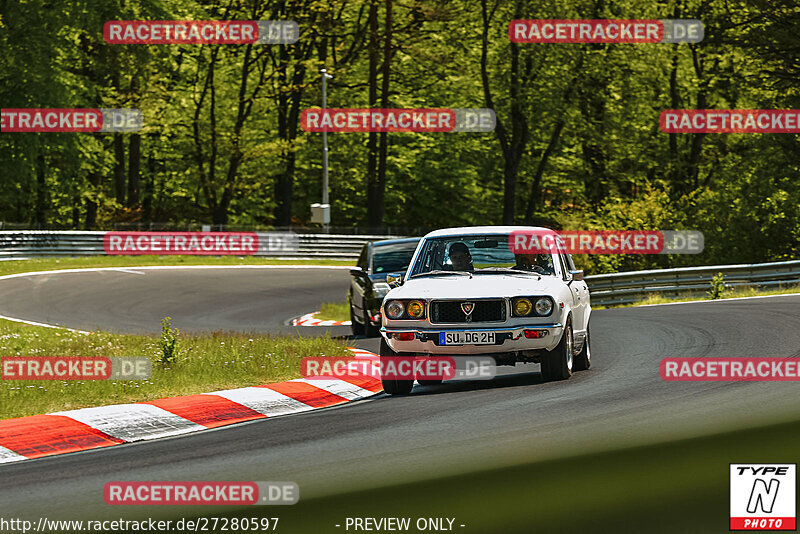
(466, 338)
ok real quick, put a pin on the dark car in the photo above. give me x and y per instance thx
(368, 280)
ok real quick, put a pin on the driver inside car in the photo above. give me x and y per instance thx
(460, 257)
(533, 262)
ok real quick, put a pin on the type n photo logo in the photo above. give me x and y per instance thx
(763, 497)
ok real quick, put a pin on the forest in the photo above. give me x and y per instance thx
(577, 143)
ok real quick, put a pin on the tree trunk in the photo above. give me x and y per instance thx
(284, 183)
(696, 148)
(373, 211)
(220, 215)
(91, 206)
(288, 111)
(513, 145)
(134, 163)
(206, 169)
(383, 145)
(76, 212)
(119, 168)
(41, 191)
(148, 188)
(510, 171)
(536, 187)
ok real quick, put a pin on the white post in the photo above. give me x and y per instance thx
(325, 200)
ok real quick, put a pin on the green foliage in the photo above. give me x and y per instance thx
(169, 343)
(717, 290)
(204, 161)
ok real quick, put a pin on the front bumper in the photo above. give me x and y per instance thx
(507, 339)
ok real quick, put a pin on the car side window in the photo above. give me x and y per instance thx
(423, 259)
(564, 271)
(363, 259)
(433, 258)
(570, 263)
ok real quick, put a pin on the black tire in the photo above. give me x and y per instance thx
(391, 386)
(583, 360)
(369, 330)
(355, 327)
(557, 364)
(432, 382)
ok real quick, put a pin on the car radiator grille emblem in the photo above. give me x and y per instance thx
(468, 308)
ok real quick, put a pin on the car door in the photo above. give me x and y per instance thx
(578, 321)
(583, 293)
(359, 284)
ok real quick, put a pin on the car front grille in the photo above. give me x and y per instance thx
(485, 311)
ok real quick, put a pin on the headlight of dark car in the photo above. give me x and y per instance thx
(381, 289)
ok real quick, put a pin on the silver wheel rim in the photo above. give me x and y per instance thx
(570, 348)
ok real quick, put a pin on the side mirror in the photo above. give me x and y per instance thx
(394, 280)
(577, 275)
(358, 271)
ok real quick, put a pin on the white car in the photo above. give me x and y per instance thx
(468, 291)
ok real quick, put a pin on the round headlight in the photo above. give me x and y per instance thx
(544, 306)
(522, 307)
(394, 309)
(415, 309)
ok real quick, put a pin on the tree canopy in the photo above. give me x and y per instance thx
(577, 143)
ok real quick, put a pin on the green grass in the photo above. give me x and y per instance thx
(728, 294)
(205, 363)
(334, 311)
(50, 264)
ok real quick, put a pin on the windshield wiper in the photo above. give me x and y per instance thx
(439, 272)
(509, 270)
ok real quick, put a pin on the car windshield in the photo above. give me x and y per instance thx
(392, 257)
(478, 254)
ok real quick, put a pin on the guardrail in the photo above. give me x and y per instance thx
(33, 243)
(606, 289)
(622, 288)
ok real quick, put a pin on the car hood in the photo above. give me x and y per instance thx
(479, 286)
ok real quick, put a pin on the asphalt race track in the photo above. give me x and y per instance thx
(134, 301)
(434, 432)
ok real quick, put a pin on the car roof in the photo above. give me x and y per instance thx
(487, 230)
(395, 241)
